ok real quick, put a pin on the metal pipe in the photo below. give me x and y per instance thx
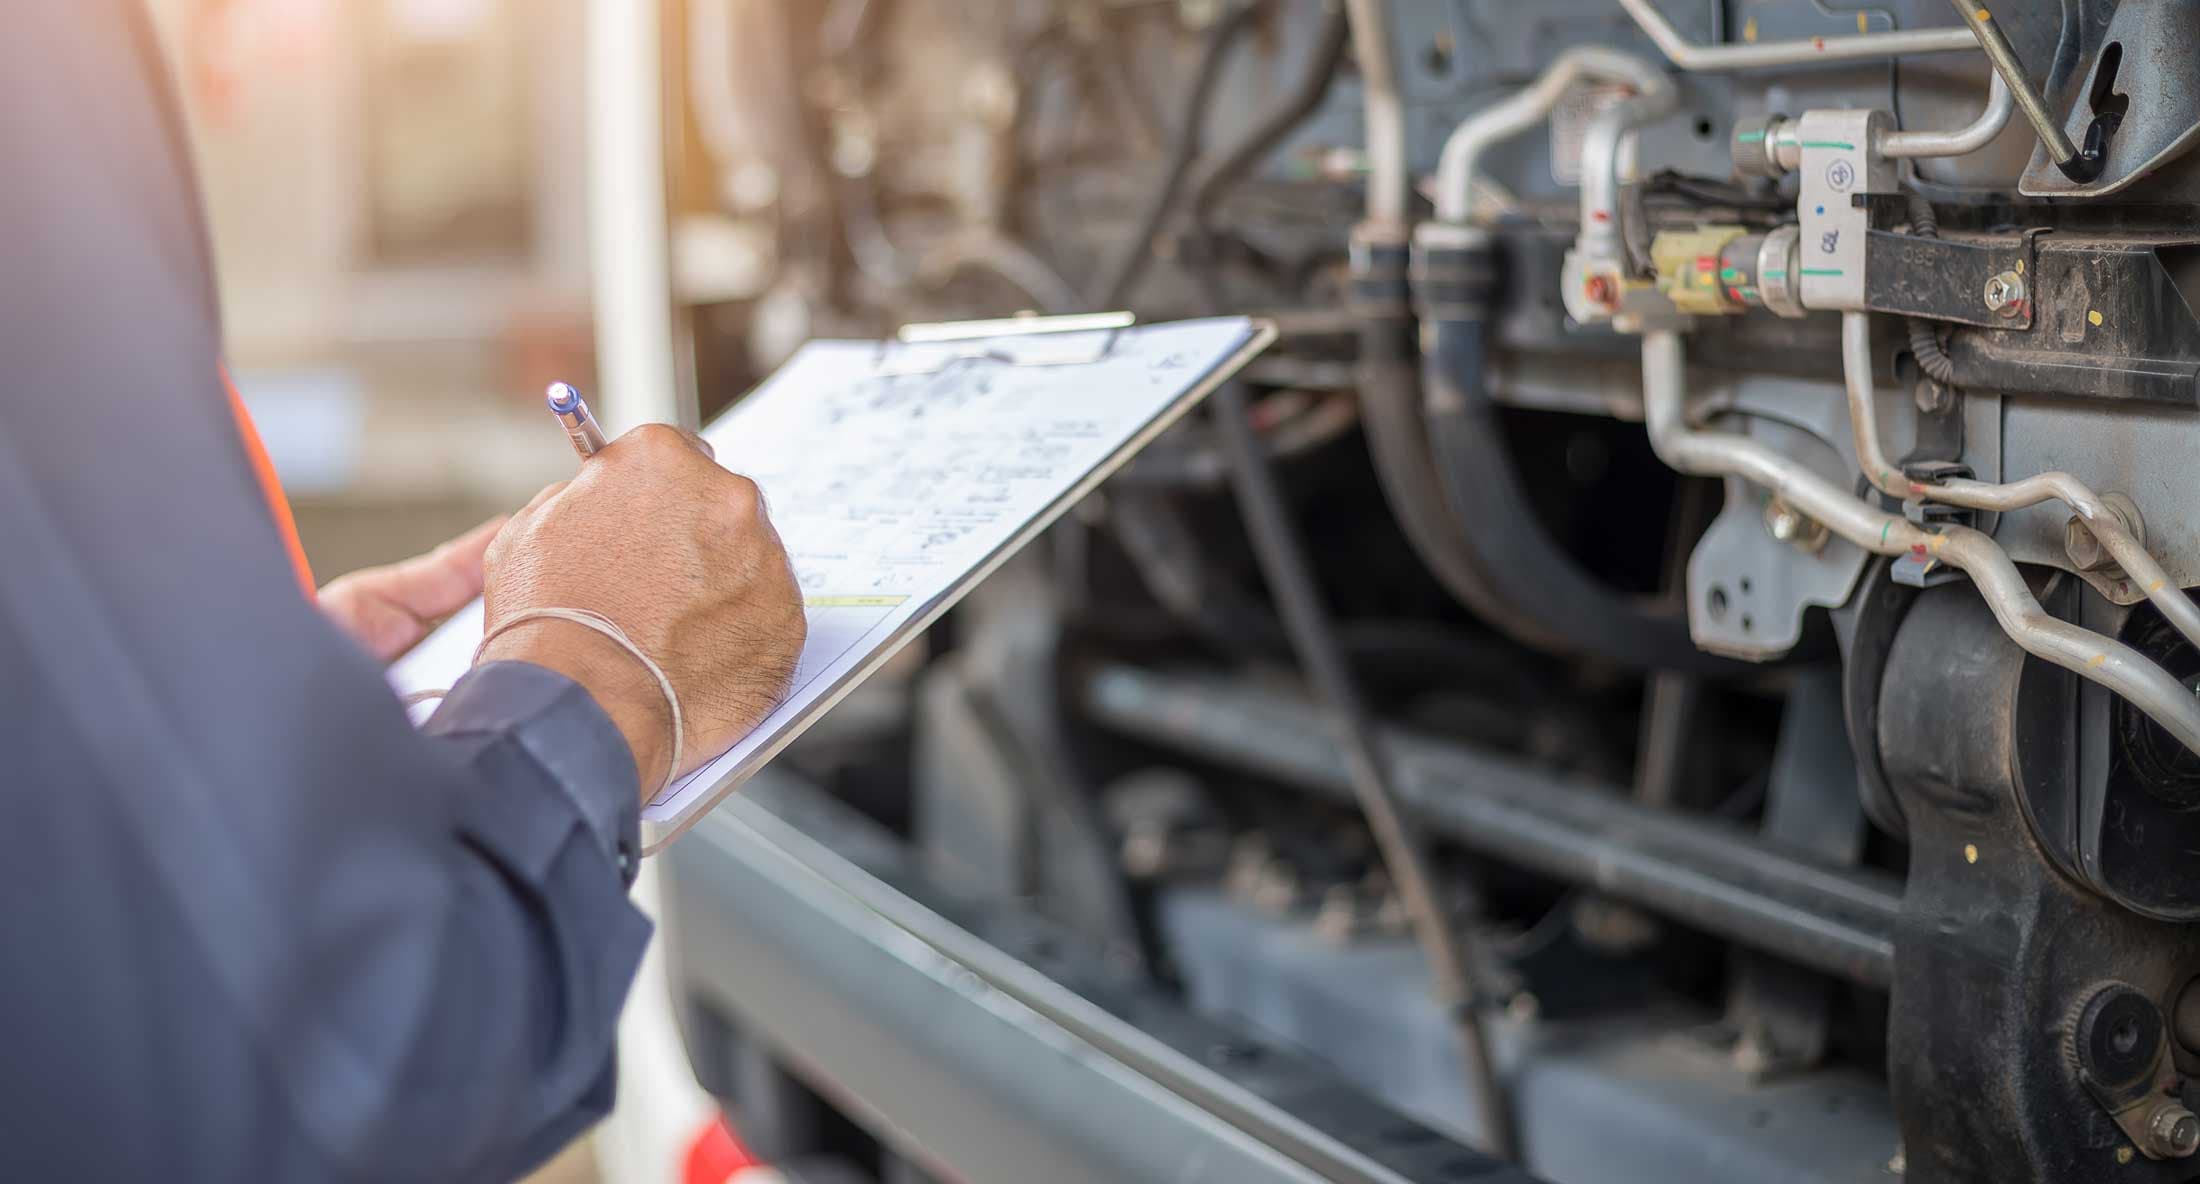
(628, 235)
(1599, 236)
(2010, 69)
(1388, 184)
(2127, 550)
(2081, 651)
(1705, 873)
(1711, 58)
(1919, 145)
(1461, 159)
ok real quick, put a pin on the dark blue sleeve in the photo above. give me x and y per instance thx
(253, 924)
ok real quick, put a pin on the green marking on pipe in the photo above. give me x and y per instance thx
(1884, 527)
(1774, 273)
(1820, 271)
(1750, 137)
(1835, 144)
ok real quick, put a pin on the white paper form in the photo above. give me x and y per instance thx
(895, 473)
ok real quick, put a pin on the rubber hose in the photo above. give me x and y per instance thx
(1523, 564)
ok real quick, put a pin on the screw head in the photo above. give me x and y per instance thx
(2005, 294)
(2173, 1132)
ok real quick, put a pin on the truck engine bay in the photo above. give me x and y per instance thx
(1676, 667)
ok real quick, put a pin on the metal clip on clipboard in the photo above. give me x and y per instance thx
(970, 341)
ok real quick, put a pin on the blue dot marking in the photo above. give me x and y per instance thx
(1821, 211)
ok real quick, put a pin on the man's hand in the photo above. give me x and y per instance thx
(387, 610)
(680, 553)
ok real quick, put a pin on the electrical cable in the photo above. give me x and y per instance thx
(1231, 166)
(1932, 357)
(1130, 261)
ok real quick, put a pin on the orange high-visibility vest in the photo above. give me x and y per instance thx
(271, 487)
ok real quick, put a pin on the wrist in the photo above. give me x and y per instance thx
(621, 686)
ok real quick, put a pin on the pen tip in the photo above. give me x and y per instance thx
(563, 397)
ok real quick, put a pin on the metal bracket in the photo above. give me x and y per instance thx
(1942, 278)
(2149, 49)
(2112, 324)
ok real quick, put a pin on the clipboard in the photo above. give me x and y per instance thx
(952, 394)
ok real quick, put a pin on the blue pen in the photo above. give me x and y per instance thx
(572, 412)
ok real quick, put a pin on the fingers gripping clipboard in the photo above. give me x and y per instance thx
(901, 474)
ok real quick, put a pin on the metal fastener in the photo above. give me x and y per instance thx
(2084, 547)
(1793, 527)
(2173, 1132)
(2005, 294)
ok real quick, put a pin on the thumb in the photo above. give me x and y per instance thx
(443, 580)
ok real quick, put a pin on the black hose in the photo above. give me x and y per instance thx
(1130, 260)
(1522, 562)
(1468, 517)
(1404, 851)
(1231, 166)
(1932, 357)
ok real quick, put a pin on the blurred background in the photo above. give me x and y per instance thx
(397, 195)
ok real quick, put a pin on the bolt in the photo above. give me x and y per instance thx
(1933, 398)
(1793, 527)
(2173, 1132)
(2084, 547)
(2005, 294)
(1782, 520)
(1598, 288)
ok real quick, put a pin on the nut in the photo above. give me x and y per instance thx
(1754, 140)
(2005, 294)
(2173, 1132)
